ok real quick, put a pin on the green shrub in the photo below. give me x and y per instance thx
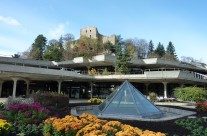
(194, 94)
(27, 129)
(196, 126)
(153, 96)
(105, 72)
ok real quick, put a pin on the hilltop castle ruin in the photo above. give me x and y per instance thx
(92, 32)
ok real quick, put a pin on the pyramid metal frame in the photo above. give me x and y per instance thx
(132, 105)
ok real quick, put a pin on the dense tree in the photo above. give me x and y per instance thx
(141, 47)
(150, 49)
(122, 57)
(170, 52)
(54, 50)
(119, 40)
(108, 47)
(137, 48)
(129, 43)
(35, 53)
(60, 42)
(70, 46)
(160, 50)
(68, 38)
(87, 47)
(38, 47)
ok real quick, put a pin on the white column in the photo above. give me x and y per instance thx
(59, 86)
(1, 85)
(14, 87)
(27, 90)
(165, 89)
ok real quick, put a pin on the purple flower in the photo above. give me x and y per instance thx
(27, 113)
(1, 116)
(36, 121)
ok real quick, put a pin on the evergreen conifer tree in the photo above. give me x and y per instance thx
(160, 50)
(171, 50)
(151, 48)
(122, 57)
(38, 47)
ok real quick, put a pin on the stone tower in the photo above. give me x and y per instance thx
(92, 32)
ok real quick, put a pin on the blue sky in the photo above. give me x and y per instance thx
(184, 22)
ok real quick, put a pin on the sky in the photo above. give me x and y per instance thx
(184, 22)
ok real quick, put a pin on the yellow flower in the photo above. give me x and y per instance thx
(4, 125)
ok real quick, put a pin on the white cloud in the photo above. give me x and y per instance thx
(56, 32)
(9, 21)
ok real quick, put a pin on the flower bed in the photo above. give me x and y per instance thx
(25, 118)
(87, 125)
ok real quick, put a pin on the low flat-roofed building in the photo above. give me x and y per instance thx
(24, 76)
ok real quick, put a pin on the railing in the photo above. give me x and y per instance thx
(195, 74)
(165, 69)
(200, 76)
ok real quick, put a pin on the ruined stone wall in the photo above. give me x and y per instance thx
(92, 32)
(111, 39)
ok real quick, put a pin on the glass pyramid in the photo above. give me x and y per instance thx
(128, 102)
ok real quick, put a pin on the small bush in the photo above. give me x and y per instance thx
(105, 72)
(95, 100)
(194, 94)
(51, 99)
(153, 96)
